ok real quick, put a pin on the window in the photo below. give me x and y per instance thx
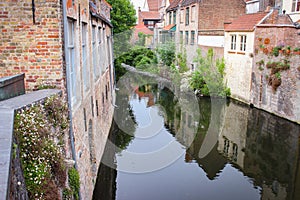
(170, 17)
(95, 55)
(174, 17)
(71, 58)
(192, 37)
(193, 13)
(181, 16)
(233, 42)
(100, 62)
(243, 43)
(108, 51)
(181, 36)
(150, 24)
(296, 6)
(85, 66)
(187, 16)
(186, 37)
(104, 62)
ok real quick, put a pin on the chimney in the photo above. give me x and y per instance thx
(226, 24)
(140, 18)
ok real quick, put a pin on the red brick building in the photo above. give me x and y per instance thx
(68, 45)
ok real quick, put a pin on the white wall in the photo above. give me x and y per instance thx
(252, 6)
(287, 6)
(239, 66)
(211, 41)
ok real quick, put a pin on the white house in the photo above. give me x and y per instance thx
(239, 52)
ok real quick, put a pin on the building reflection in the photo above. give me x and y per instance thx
(263, 147)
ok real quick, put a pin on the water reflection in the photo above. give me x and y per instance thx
(256, 155)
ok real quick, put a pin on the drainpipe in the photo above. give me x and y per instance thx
(65, 22)
(113, 68)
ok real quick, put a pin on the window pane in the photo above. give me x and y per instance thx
(186, 37)
(187, 16)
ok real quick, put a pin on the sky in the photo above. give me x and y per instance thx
(137, 4)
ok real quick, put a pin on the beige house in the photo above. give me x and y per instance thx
(188, 30)
(238, 54)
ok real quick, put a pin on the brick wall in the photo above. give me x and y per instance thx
(32, 48)
(285, 100)
(213, 13)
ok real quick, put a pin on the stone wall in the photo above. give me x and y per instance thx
(31, 42)
(93, 109)
(285, 99)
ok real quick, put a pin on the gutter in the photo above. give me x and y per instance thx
(65, 24)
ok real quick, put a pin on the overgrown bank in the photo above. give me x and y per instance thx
(206, 80)
(40, 137)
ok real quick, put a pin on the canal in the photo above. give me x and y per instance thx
(163, 146)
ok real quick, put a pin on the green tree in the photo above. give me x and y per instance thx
(123, 19)
(209, 77)
(122, 15)
(166, 53)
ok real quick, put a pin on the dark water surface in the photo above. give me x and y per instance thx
(226, 151)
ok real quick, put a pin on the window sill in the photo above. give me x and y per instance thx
(236, 52)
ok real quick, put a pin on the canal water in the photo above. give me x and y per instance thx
(159, 148)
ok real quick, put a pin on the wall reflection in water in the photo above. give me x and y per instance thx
(263, 147)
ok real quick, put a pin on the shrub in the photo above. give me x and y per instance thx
(209, 78)
(74, 182)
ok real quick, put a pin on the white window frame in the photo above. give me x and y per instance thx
(105, 61)
(181, 16)
(193, 17)
(84, 48)
(296, 6)
(99, 38)
(72, 59)
(95, 53)
(233, 42)
(243, 42)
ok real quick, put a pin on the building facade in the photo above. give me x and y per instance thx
(67, 45)
(262, 54)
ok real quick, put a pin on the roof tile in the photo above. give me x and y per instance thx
(246, 22)
(149, 15)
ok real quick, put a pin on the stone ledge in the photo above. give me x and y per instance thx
(6, 133)
(27, 99)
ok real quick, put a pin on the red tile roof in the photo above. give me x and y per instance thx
(173, 5)
(246, 22)
(154, 4)
(141, 28)
(188, 2)
(168, 27)
(149, 15)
